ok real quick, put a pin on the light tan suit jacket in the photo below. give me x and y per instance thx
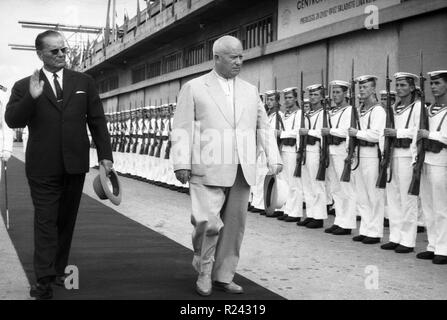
(211, 139)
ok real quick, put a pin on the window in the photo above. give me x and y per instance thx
(195, 55)
(173, 62)
(154, 69)
(108, 84)
(210, 42)
(258, 33)
(139, 74)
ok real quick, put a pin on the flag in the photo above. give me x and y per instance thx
(138, 13)
(107, 29)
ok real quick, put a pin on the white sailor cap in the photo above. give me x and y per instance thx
(306, 100)
(291, 89)
(405, 75)
(146, 108)
(383, 92)
(366, 78)
(270, 92)
(314, 87)
(434, 75)
(340, 83)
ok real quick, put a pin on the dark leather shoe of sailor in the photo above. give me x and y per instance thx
(275, 214)
(41, 291)
(292, 219)
(228, 287)
(331, 229)
(304, 222)
(371, 240)
(341, 232)
(204, 285)
(389, 246)
(438, 259)
(315, 224)
(359, 238)
(282, 217)
(403, 249)
(426, 255)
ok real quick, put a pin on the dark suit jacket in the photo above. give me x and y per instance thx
(58, 142)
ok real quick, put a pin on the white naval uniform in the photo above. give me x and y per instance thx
(150, 174)
(164, 163)
(370, 200)
(138, 156)
(343, 193)
(314, 191)
(25, 138)
(294, 204)
(126, 155)
(434, 187)
(262, 169)
(6, 135)
(403, 207)
(145, 157)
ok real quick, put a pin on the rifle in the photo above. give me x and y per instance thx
(279, 124)
(129, 142)
(423, 124)
(353, 143)
(301, 156)
(389, 141)
(168, 146)
(324, 148)
(154, 142)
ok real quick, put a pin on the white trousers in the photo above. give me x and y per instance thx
(294, 204)
(342, 193)
(314, 191)
(402, 207)
(434, 206)
(258, 189)
(370, 200)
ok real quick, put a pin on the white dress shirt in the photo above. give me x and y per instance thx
(228, 88)
(50, 77)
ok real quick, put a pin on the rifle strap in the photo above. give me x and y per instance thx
(442, 120)
(338, 122)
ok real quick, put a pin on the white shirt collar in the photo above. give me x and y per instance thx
(60, 75)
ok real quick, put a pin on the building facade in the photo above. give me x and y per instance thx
(170, 42)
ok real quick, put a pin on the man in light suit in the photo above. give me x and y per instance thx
(218, 120)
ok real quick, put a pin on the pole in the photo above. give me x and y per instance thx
(5, 169)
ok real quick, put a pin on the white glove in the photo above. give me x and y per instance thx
(6, 155)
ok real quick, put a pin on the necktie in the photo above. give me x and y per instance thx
(57, 86)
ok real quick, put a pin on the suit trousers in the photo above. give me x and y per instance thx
(218, 217)
(56, 202)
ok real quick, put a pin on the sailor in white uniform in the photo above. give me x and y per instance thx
(434, 173)
(370, 200)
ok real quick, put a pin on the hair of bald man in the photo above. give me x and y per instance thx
(221, 44)
(41, 36)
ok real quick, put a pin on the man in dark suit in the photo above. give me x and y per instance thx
(56, 104)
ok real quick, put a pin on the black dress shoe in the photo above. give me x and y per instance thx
(359, 238)
(59, 281)
(41, 291)
(426, 255)
(292, 219)
(275, 214)
(403, 249)
(341, 232)
(438, 259)
(421, 229)
(304, 222)
(389, 246)
(282, 217)
(315, 224)
(331, 229)
(386, 223)
(371, 240)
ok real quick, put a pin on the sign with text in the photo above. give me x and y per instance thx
(299, 16)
